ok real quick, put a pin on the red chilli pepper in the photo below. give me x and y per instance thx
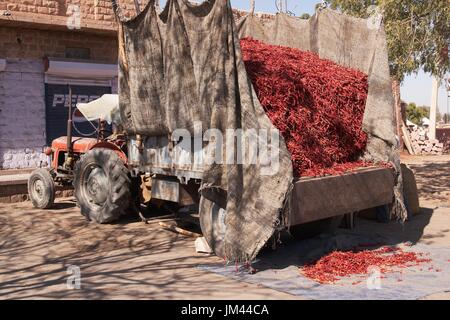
(317, 105)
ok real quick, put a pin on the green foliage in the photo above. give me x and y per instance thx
(415, 114)
(418, 32)
(305, 16)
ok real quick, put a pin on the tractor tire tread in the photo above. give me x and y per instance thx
(119, 195)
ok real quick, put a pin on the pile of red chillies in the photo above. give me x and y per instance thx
(317, 105)
(341, 264)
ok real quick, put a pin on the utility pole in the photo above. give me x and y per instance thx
(434, 105)
(447, 86)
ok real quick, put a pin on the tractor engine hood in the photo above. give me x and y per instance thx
(106, 108)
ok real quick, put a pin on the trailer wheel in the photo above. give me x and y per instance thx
(41, 189)
(102, 185)
(212, 223)
(315, 228)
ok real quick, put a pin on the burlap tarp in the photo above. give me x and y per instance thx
(184, 66)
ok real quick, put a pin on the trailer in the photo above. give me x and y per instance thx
(239, 207)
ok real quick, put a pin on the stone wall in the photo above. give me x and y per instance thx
(98, 10)
(36, 44)
(23, 44)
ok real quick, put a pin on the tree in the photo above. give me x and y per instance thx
(416, 114)
(446, 117)
(418, 32)
(305, 16)
(418, 35)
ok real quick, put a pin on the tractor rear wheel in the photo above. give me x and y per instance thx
(102, 185)
(41, 189)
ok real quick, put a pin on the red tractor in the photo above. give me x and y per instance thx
(97, 167)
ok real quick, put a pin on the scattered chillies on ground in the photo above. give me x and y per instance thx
(340, 264)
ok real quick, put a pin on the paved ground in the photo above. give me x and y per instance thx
(132, 260)
(433, 182)
(14, 178)
(128, 260)
(433, 177)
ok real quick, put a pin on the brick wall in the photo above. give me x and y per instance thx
(36, 44)
(22, 103)
(99, 10)
(32, 30)
(22, 100)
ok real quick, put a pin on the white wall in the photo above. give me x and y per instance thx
(22, 114)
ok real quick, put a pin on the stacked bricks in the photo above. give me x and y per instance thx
(422, 144)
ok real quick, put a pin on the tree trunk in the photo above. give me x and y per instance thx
(398, 111)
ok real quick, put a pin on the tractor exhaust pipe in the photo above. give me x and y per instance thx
(68, 163)
(69, 126)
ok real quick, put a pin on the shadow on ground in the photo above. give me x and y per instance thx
(293, 252)
(128, 259)
(433, 180)
(132, 260)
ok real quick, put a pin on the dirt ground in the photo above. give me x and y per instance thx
(131, 260)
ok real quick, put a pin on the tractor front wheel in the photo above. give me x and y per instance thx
(41, 189)
(102, 185)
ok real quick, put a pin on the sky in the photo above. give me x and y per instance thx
(415, 88)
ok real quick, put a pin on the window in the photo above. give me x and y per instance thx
(78, 53)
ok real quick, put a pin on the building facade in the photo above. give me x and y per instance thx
(45, 46)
